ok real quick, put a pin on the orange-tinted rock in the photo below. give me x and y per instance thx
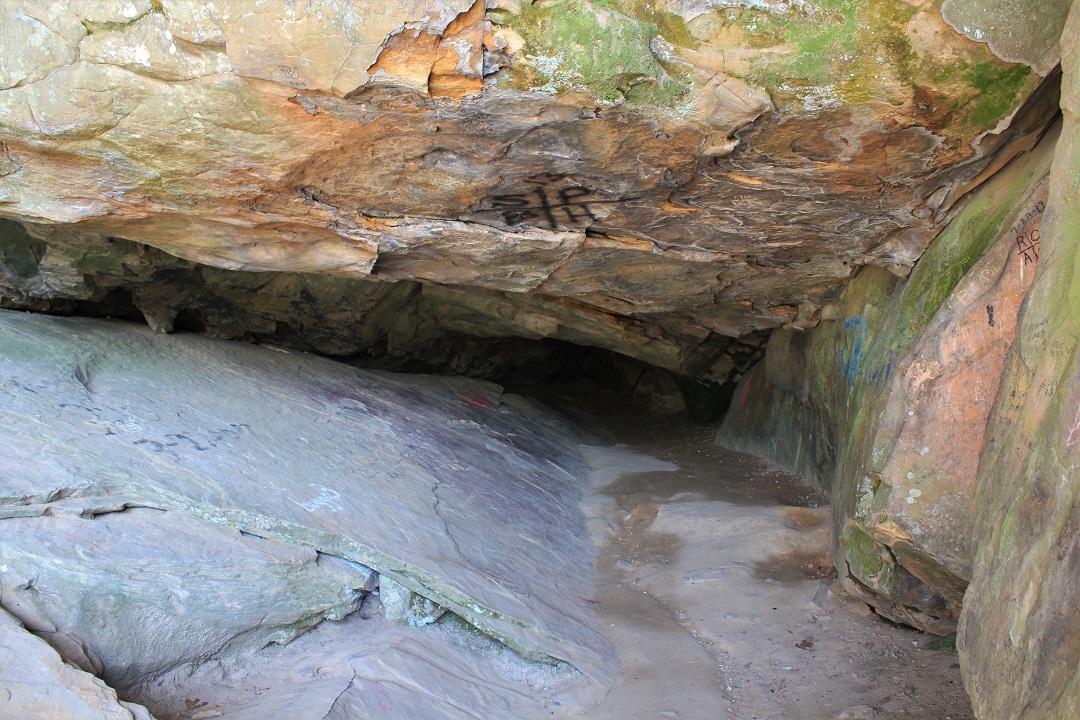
(942, 400)
(454, 145)
(1019, 638)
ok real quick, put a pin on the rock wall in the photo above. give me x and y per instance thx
(39, 684)
(884, 404)
(1019, 637)
(984, 523)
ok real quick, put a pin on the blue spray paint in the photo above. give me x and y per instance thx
(851, 348)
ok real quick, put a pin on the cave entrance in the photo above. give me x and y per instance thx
(548, 528)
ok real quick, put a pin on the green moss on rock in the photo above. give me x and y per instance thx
(594, 47)
(864, 557)
(841, 52)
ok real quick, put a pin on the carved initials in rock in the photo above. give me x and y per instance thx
(1027, 243)
(1027, 246)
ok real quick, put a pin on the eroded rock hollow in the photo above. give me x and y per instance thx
(854, 216)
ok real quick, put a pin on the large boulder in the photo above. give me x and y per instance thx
(1019, 637)
(169, 498)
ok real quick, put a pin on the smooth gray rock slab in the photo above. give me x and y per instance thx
(374, 669)
(138, 592)
(465, 496)
(1026, 31)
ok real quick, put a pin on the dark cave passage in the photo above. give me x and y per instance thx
(379, 326)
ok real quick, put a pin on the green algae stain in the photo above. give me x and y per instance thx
(668, 25)
(819, 44)
(594, 47)
(818, 56)
(999, 90)
(864, 557)
(824, 42)
(958, 247)
(841, 51)
(974, 92)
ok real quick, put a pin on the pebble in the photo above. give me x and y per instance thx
(370, 606)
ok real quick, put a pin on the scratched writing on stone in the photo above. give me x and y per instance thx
(1027, 241)
(547, 206)
(1027, 246)
(327, 498)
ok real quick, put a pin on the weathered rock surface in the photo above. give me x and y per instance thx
(371, 668)
(886, 402)
(1019, 639)
(36, 683)
(647, 177)
(671, 181)
(134, 593)
(462, 495)
(1027, 31)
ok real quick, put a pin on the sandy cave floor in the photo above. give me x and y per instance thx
(714, 586)
(717, 591)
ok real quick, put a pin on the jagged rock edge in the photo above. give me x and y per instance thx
(414, 578)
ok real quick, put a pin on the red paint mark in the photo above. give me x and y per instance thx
(384, 699)
(745, 399)
(479, 401)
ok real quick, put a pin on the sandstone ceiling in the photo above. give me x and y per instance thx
(655, 178)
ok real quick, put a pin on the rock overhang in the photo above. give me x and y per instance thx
(656, 179)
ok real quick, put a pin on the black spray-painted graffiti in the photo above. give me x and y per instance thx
(550, 203)
(1027, 241)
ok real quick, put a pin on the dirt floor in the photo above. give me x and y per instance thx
(718, 594)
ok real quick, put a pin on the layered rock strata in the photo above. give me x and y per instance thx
(654, 178)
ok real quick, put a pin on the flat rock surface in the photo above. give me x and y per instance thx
(462, 495)
(370, 669)
(137, 592)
